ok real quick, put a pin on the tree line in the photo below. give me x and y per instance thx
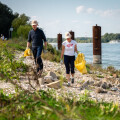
(20, 23)
(107, 37)
(21, 27)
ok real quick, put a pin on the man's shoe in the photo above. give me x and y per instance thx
(40, 72)
(72, 80)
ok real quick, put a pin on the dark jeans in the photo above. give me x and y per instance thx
(69, 64)
(37, 56)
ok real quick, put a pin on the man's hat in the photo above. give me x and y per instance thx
(34, 22)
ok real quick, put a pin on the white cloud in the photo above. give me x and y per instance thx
(108, 13)
(87, 22)
(90, 10)
(103, 13)
(75, 21)
(111, 12)
(35, 18)
(53, 22)
(80, 9)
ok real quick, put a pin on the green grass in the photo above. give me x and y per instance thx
(41, 105)
(109, 70)
(28, 106)
(52, 54)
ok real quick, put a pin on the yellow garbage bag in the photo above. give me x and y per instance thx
(27, 52)
(80, 63)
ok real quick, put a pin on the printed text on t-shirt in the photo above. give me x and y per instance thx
(69, 45)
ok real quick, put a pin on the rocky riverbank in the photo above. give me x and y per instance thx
(96, 85)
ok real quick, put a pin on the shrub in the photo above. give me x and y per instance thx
(23, 31)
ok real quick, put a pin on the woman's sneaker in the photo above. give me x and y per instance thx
(72, 80)
(68, 84)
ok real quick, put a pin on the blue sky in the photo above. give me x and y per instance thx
(59, 16)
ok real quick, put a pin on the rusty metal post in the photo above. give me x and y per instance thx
(72, 33)
(59, 39)
(97, 59)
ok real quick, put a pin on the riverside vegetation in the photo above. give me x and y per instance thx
(26, 102)
(42, 104)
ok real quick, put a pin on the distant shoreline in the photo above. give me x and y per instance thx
(91, 42)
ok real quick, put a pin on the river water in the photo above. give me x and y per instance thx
(110, 53)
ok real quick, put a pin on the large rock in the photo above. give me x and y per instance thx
(119, 85)
(85, 85)
(41, 81)
(53, 75)
(115, 75)
(50, 77)
(117, 81)
(114, 89)
(98, 84)
(55, 85)
(100, 90)
(59, 70)
(105, 85)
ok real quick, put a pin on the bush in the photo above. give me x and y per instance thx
(52, 54)
(23, 31)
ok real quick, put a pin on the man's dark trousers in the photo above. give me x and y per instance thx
(37, 56)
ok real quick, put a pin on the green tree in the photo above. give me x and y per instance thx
(6, 18)
(23, 30)
(107, 37)
(20, 20)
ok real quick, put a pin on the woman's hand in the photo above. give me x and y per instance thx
(61, 61)
(78, 52)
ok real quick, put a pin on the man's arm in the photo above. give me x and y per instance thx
(45, 43)
(28, 44)
(29, 40)
(44, 38)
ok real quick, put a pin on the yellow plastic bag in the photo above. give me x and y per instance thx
(27, 52)
(80, 63)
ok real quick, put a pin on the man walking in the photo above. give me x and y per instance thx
(37, 36)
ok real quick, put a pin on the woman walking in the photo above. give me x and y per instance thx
(69, 47)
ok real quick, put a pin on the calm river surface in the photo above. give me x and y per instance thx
(110, 53)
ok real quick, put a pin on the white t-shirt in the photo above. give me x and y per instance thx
(69, 47)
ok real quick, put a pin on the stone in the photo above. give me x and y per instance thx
(119, 85)
(48, 79)
(100, 90)
(52, 74)
(104, 85)
(104, 80)
(55, 79)
(91, 82)
(59, 70)
(55, 85)
(98, 84)
(117, 81)
(110, 85)
(114, 89)
(115, 75)
(28, 57)
(41, 81)
(85, 84)
(90, 72)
